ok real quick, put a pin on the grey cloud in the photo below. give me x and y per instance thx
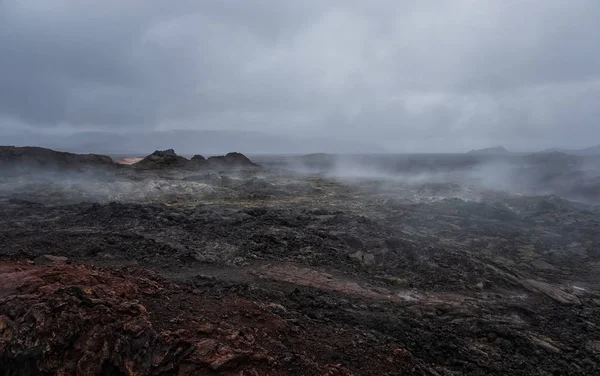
(412, 75)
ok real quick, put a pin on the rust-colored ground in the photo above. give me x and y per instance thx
(81, 320)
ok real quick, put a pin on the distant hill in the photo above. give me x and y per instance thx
(12, 156)
(592, 150)
(188, 142)
(489, 151)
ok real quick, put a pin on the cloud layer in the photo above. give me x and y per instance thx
(411, 76)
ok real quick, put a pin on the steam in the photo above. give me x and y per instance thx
(462, 176)
(411, 178)
(96, 186)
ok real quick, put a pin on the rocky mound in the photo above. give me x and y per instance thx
(223, 161)
(168, 158)
(28, 156)
(162, 159)
(198, 158)
(238, 159)
(81, 320)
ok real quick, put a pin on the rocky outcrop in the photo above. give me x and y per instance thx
(169, 159)
(230, 160)
(162, 159)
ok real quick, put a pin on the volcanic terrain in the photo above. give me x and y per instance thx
(314, 265)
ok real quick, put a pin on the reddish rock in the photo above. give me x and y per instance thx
(62, 319)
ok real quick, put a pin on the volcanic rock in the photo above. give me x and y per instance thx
(553, 292)
(197, 161)
(162, 159)
(593, 347)
(169, 159)
(81, 320)
(284, 273)
(229, 160)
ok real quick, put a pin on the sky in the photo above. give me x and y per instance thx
(407, 76)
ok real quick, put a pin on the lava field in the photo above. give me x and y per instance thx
(298, 265)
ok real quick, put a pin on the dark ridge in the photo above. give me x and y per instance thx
(169, 159)
(29, 156)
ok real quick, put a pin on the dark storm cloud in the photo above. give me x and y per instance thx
(411, 75)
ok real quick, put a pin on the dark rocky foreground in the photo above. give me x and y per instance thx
(260, 271)
(81, 320)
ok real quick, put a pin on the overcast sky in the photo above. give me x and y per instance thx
(408, 75)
